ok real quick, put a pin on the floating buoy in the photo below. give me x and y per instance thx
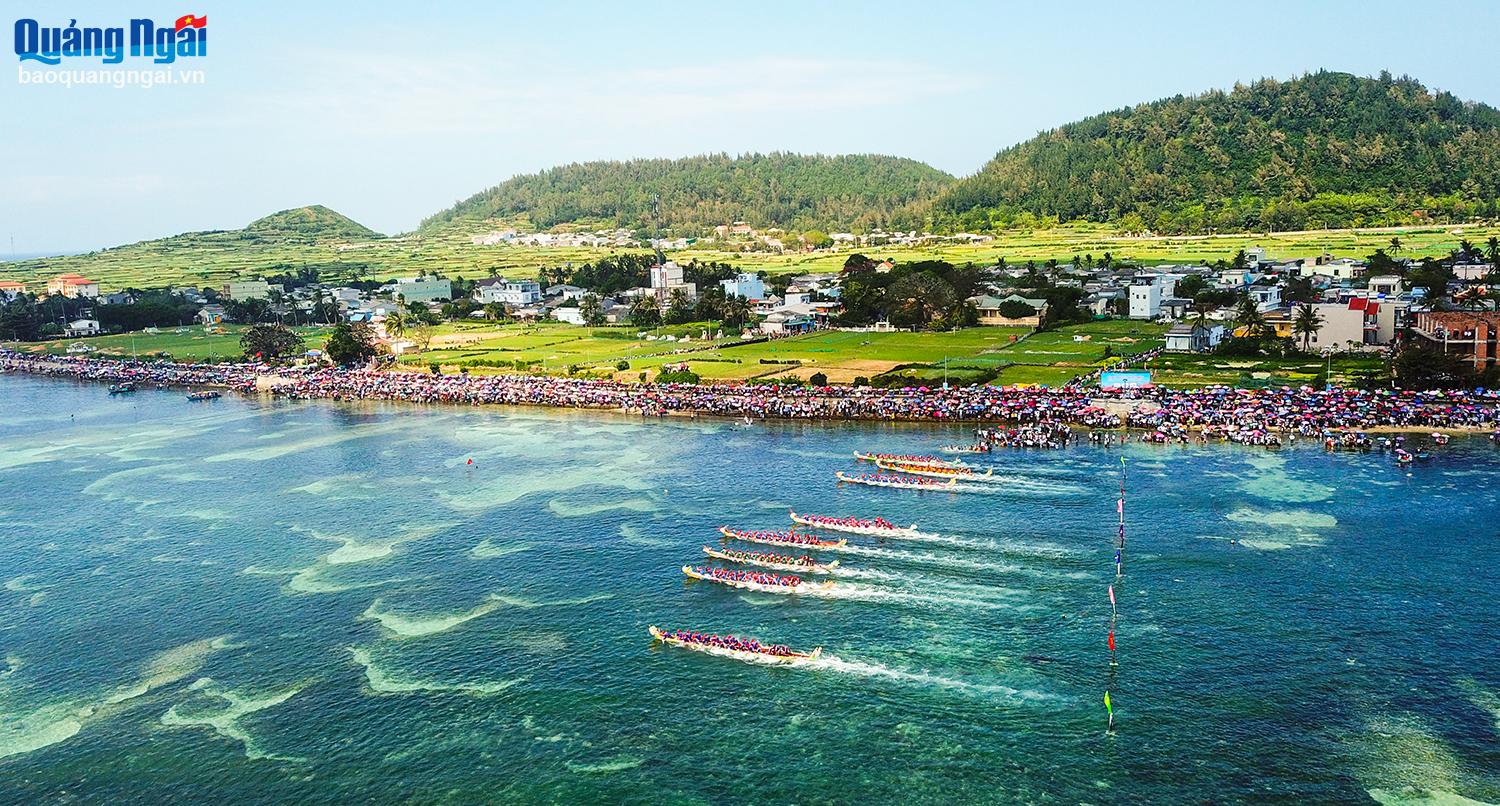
(471, 460)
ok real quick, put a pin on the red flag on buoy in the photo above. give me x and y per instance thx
(471, 461)
(1111, 640)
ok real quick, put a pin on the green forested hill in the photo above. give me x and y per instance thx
(792, 191)
(316, 222)
(1324, 150)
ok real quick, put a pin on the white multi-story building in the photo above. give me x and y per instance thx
(666, 275)
(746, 286)
(521, 292)
(1267, 297)
(1341, 269)
(1145, 299)
(666, 278)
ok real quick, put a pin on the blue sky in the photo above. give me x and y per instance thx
(388, 112)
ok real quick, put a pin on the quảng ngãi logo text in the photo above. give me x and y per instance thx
(187, 38)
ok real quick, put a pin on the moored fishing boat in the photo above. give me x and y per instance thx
(934, 471)
(122, 388)
(897, 482)
(728, 646)
(755, 581)
(781, 538)
(912, 458)
(775, 562)
(874, 527)
(195, 396)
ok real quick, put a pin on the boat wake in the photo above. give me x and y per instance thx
(999, 485)
(922, 583)
(833, 663)
(946, 540)
(861, 593)
(929, 559)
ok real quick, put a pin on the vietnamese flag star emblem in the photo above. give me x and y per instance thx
(191, 21)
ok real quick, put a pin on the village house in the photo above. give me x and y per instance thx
(1473, 337)
(1194, 338)
(1385, 284)
(781, 323)
(989, 308)
(210, 315)
(515, 293)
(1266, 297)
(1337, 268)
(1469, 272)
(10, 289)
(83, 327)
(565, 291)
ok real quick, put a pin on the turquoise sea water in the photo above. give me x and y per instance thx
(249, 601)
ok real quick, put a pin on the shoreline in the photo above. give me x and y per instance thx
(1232, 415)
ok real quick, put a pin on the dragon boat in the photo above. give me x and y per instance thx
(775, 562)
(781, 538)
(906, 457)
(746, 580)
(934, 471)
(728, 646)
(874, 527)
(896, 482)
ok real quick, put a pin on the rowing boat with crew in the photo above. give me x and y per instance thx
(897, 482)
(907, 458)
(754, 581)
(781, 538)
(934, 471)
(874, 527)
(775, 562)
(729, 646)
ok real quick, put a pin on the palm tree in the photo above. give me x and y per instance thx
(1466, 250)
(1395, 246)
(736, 311)
(395, 324)
(1199, 323)
(278, 304)
(1249, 317)
(1307, 324)
(1492, 252)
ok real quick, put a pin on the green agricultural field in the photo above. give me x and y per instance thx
(961, 356)
(194, 345)
(1004, 356)
(1183, 370)
(214, 258)
(841, 356)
